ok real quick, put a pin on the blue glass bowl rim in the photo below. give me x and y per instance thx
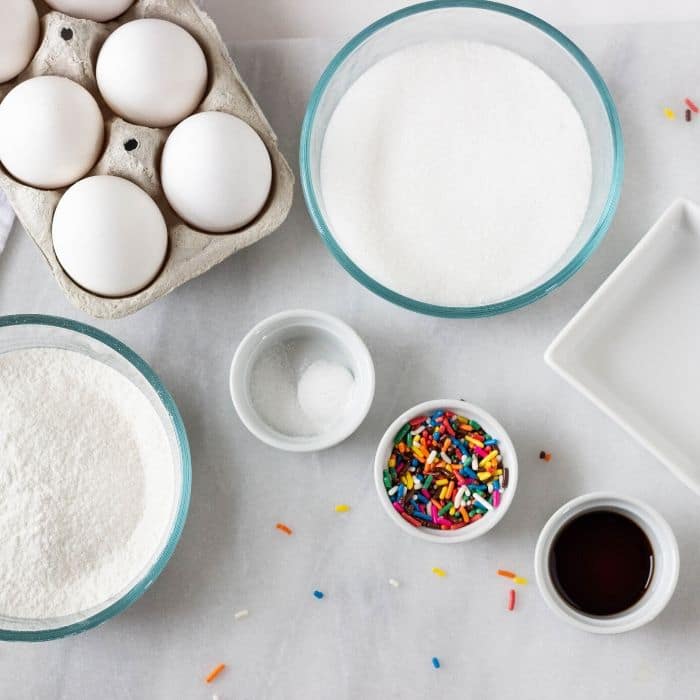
(598, 232)
(166, 398)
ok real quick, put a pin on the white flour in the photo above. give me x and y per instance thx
(455, 173)
(86, 483)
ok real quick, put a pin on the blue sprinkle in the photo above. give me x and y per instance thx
(491, 442)
(466, 471)
(436, 435)
(402, 491)
(420, 497)
(414, 462)
(436, 662)
(437, 414)
(421, 516)
(318, 594)
(496, 485)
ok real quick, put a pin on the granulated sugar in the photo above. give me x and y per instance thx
(86, 483)
(455, 173)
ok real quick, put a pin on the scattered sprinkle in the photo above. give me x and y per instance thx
(546, 456)
(436, 662)
(284, 528)
(444, 472)
(505, 573)
(240, 614)
(688, 115)
(342, 508)
(215, 673)
(511, 599)
(669, 113)
(393, 582)
(520, 580)
(439, 572)
(318, 594)
(692, 105)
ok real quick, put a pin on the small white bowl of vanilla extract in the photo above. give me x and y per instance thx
(606, 563)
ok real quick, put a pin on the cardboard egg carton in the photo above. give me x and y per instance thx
(69, 47)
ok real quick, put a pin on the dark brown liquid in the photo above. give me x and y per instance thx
(601, 562)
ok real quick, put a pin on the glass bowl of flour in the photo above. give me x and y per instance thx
(461, 158)
(95, 477)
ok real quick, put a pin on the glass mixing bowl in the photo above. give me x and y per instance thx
(32, 331)
(509, 28)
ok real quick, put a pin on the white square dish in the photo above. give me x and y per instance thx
(634, 347)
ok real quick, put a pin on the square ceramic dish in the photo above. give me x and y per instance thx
(633, 348)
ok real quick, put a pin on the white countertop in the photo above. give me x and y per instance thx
(366, 639)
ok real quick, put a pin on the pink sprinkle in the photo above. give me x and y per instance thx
(444, 521)
(426, 494)
(496, 499)
(460, 479)
(479, 451)
(433, 513)
(398, 506)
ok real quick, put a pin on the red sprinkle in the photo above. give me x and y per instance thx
(511, 599)
(692, 105)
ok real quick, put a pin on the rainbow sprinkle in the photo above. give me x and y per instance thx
(318, 594)
(436, 662)
(444, 472)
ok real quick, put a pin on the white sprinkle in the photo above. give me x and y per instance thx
(475, 463)
(418, 430)
(417, 483)
(458, 497)
(393, 582)
(241, 614)
(482, 501)
(393, 490)
(445, 458)
(431, 457)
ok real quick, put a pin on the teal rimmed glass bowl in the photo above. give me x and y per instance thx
(509, 28)
(34, 331)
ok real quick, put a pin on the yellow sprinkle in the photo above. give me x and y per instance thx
(443, 493)
(473, 441)
(520, 579)
(439, 572)
(669, 113)
(452, 510)
(342, 508)
(484, 475)
(409, 480)
(441, 482)
(488, 457)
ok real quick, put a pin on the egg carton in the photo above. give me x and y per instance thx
(69, 47)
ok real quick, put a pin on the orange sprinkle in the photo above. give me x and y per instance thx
(284, 528)
(215, 673)
(463, 513)
(506, 574)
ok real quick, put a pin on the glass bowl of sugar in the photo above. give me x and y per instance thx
(95, 480)
(461, 158)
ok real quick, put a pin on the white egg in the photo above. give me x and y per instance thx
(109, 236)
(216, 172)
(97, 10)
(152, 72)
(51, 132)
(19, 36)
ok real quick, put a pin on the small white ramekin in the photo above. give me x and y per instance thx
(316, 329)
(492, 426)
(666, 563)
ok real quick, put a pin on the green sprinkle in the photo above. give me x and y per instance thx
(402, 434)
(428, 481)
(475, 425)
(445, 508)
(387, 479)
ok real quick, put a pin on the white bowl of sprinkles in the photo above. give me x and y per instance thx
(484, 500)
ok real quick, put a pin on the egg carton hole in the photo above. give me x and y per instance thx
(131, 145)
(66, 33)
